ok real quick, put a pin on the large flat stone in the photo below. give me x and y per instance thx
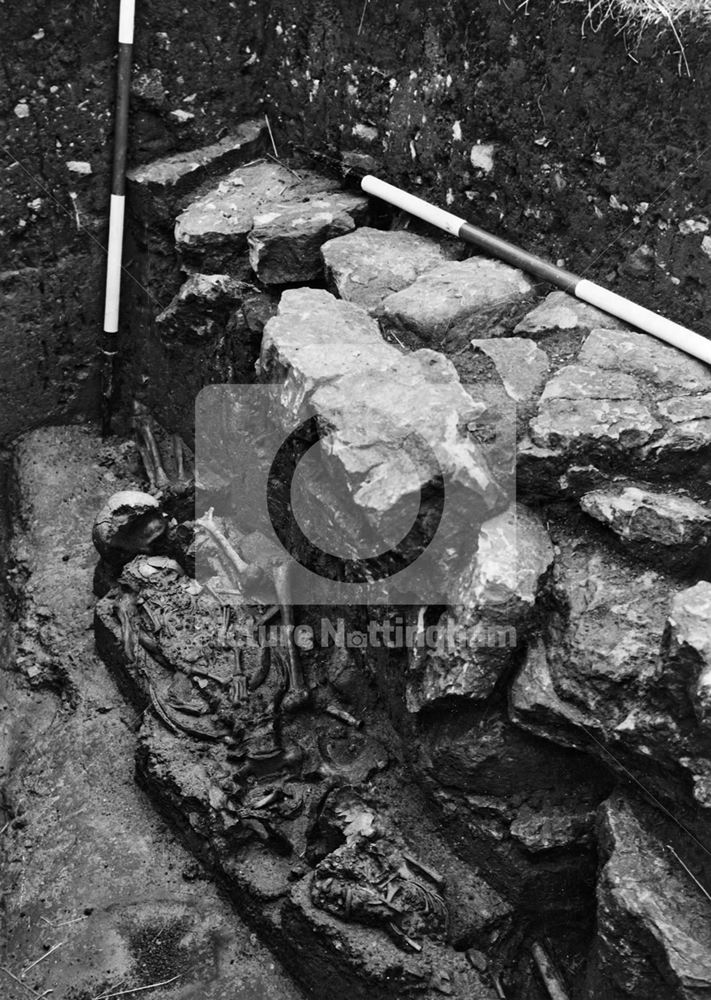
(368, 265)
(645, 357)
(453, 303)
(285, 241)
(395, 421)
(574, 425)
(212, 231)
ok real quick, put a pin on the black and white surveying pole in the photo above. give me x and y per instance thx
(118, 200)
(624, 309)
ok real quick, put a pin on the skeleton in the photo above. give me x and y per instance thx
(372, 880)
(134, 523)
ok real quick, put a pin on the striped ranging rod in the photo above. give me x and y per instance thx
(118, 200)
(624, 309)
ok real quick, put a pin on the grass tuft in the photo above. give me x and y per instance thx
(636, 16)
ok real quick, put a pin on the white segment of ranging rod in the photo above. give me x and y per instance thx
(113, 264)
(665, 329)
(412, 204)
(673, 333)
(127, 13)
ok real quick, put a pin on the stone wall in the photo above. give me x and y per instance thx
(588, 148)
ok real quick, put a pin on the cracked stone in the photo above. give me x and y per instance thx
(666, 527)
(368, 265)
(589, 408)
(478, 640)
(285, 242)
(451, 304)
(522, 365)
(645, 357)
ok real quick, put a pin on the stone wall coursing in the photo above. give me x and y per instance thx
(587, 148)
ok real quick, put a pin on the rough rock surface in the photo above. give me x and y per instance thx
(285, 240)
(445, 307)
(211, 233)
(482, 635)
(368, 265)
(209, 333)
(607, 676)
(385, 410)
(653, 939)
(665, 529)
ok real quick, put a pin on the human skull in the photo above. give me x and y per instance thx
(129, 524)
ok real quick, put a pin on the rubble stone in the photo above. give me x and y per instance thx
(653, 925)
(496, 598)
(368, 265)
(663, 528)
(609, 676)
(560, 311)
(285, 241)
(687, 433)
(447, 306)
(202, 307)
(211, 233)
(512, 797)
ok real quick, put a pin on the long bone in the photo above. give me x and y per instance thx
(148, 448)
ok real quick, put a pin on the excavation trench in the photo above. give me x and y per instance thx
(484, 775)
